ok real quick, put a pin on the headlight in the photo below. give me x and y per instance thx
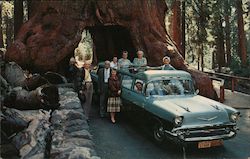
(234, 117)
(178, 120)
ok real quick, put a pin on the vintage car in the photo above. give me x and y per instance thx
(168, 103)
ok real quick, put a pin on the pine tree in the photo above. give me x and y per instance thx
(241, 34)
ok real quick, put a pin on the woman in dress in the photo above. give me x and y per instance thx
(124, 62)
(114, 100)
(140, 61)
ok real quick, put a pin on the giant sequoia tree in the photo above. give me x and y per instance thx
(48, 39)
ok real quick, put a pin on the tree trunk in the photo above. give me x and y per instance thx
(202, 58)
(199, 56)
(45, 47)
(44, 97)
(18, 16)
(220, 45)
(228, 40)
(227, 32)
(176, 24)
(1, 30)
(183, 26)
(213, 59)
(9, 30)
(241, 34)
(29, 8)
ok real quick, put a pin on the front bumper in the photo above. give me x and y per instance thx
(202, 133)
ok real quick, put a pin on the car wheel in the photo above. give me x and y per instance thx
(158, 132)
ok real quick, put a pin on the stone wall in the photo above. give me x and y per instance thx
(63, 133)
(70, 130)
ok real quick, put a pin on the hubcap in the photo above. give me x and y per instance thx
(158, 133)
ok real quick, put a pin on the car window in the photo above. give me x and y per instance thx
(170, 87)
(127, 81)
(138, 86)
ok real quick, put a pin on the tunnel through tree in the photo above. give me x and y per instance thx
(110, 41)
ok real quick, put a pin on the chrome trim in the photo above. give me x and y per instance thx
(204, 126)
(179, 135)
(206, 130)
(207, 119)
(231, 134)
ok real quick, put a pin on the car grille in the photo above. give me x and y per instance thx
(208, 132)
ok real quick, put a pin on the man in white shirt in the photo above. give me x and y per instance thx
(103, 76)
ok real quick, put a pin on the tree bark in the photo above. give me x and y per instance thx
(18, 16)
(220, 48)
(9, 30)
(176, 25)
(202, 58)
(183, 30)
(241, 34)
(227, 32)
(1, 30)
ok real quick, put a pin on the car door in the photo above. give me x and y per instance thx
(138, 103)
(137, 94)
(126, 96)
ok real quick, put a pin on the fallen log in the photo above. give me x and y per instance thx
(36, 80)
(17, 77)
(55, 78)
(44, 97)
(14, 74)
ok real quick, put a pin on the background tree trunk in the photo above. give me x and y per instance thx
(18, 15)
(220, 48)
(241, 34)
(1, 30)
(183, 26)
(202, 58)
(176, 24)
(9, 31)
(227, 32)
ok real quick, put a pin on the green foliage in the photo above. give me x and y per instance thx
(203, 20)
(237, 68)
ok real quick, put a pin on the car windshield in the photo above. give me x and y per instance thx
(170, 87)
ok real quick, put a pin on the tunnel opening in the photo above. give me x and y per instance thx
(110, 41)
(103, 43)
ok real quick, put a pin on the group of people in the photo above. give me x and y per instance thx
(109, 84)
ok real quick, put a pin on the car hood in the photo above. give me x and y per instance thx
(196, 110)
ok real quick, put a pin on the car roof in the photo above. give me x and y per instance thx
(159, 74)
(150, 75)
(156, 74)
